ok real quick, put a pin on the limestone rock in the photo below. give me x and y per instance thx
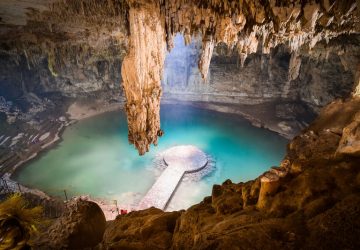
(146, 229)
(81, 226)
(294, 66)
(224, 21)
(142, 71)
(339, 226)
(350, 140)
(205, 58)
(280, 209)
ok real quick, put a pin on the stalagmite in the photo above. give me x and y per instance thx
(270, 182)
(141, 72)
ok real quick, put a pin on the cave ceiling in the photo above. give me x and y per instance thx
(143, 30)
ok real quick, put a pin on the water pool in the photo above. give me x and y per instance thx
(95, 158)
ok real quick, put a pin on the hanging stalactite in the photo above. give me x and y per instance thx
(141, 71)
(246, 25)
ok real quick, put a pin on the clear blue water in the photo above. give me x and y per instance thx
(95, 158)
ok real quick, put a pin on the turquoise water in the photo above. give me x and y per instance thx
(95, 158)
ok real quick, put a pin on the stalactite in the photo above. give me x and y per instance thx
(245, 23)
(294, 66)
(251, 26)
(247, 26)
(205, 57)
(141, 72)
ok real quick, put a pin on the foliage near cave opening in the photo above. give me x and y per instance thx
(18, 222)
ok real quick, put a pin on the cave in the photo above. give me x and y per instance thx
(179, 124)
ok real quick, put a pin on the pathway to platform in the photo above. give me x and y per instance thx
(180, 160)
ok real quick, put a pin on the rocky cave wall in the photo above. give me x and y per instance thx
(71, 72)
(328, 73)
(71, 47)
(325, 73)
(51, 51)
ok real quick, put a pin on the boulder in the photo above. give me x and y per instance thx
(81, 226)
(144, 229)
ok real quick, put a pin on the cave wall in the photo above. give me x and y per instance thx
(70, 48)
(326, 72)
(70, 71)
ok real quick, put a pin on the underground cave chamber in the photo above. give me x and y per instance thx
(94, 157)
(179, 124)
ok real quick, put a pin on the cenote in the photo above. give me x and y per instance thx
(94, 158)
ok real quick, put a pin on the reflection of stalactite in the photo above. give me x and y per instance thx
(141, 72)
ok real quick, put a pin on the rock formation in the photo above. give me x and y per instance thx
(245, 24)
(146, 229)
(314, 77)
(290, 56)
(142, 72)
(205, 58)
(81, 226)
(310, 201)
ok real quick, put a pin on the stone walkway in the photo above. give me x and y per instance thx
(180, 160)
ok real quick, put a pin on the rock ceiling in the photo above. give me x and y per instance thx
(145, 30)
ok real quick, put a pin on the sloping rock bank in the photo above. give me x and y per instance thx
(311, 201)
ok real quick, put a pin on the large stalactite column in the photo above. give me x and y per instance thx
(141, 72)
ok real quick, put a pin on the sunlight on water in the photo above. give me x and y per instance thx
(95, 158)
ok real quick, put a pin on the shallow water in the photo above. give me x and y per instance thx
(95, 158)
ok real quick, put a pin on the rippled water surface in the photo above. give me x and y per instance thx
(95, 158)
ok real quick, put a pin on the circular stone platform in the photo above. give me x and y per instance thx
(188, 157)
(180, 160)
